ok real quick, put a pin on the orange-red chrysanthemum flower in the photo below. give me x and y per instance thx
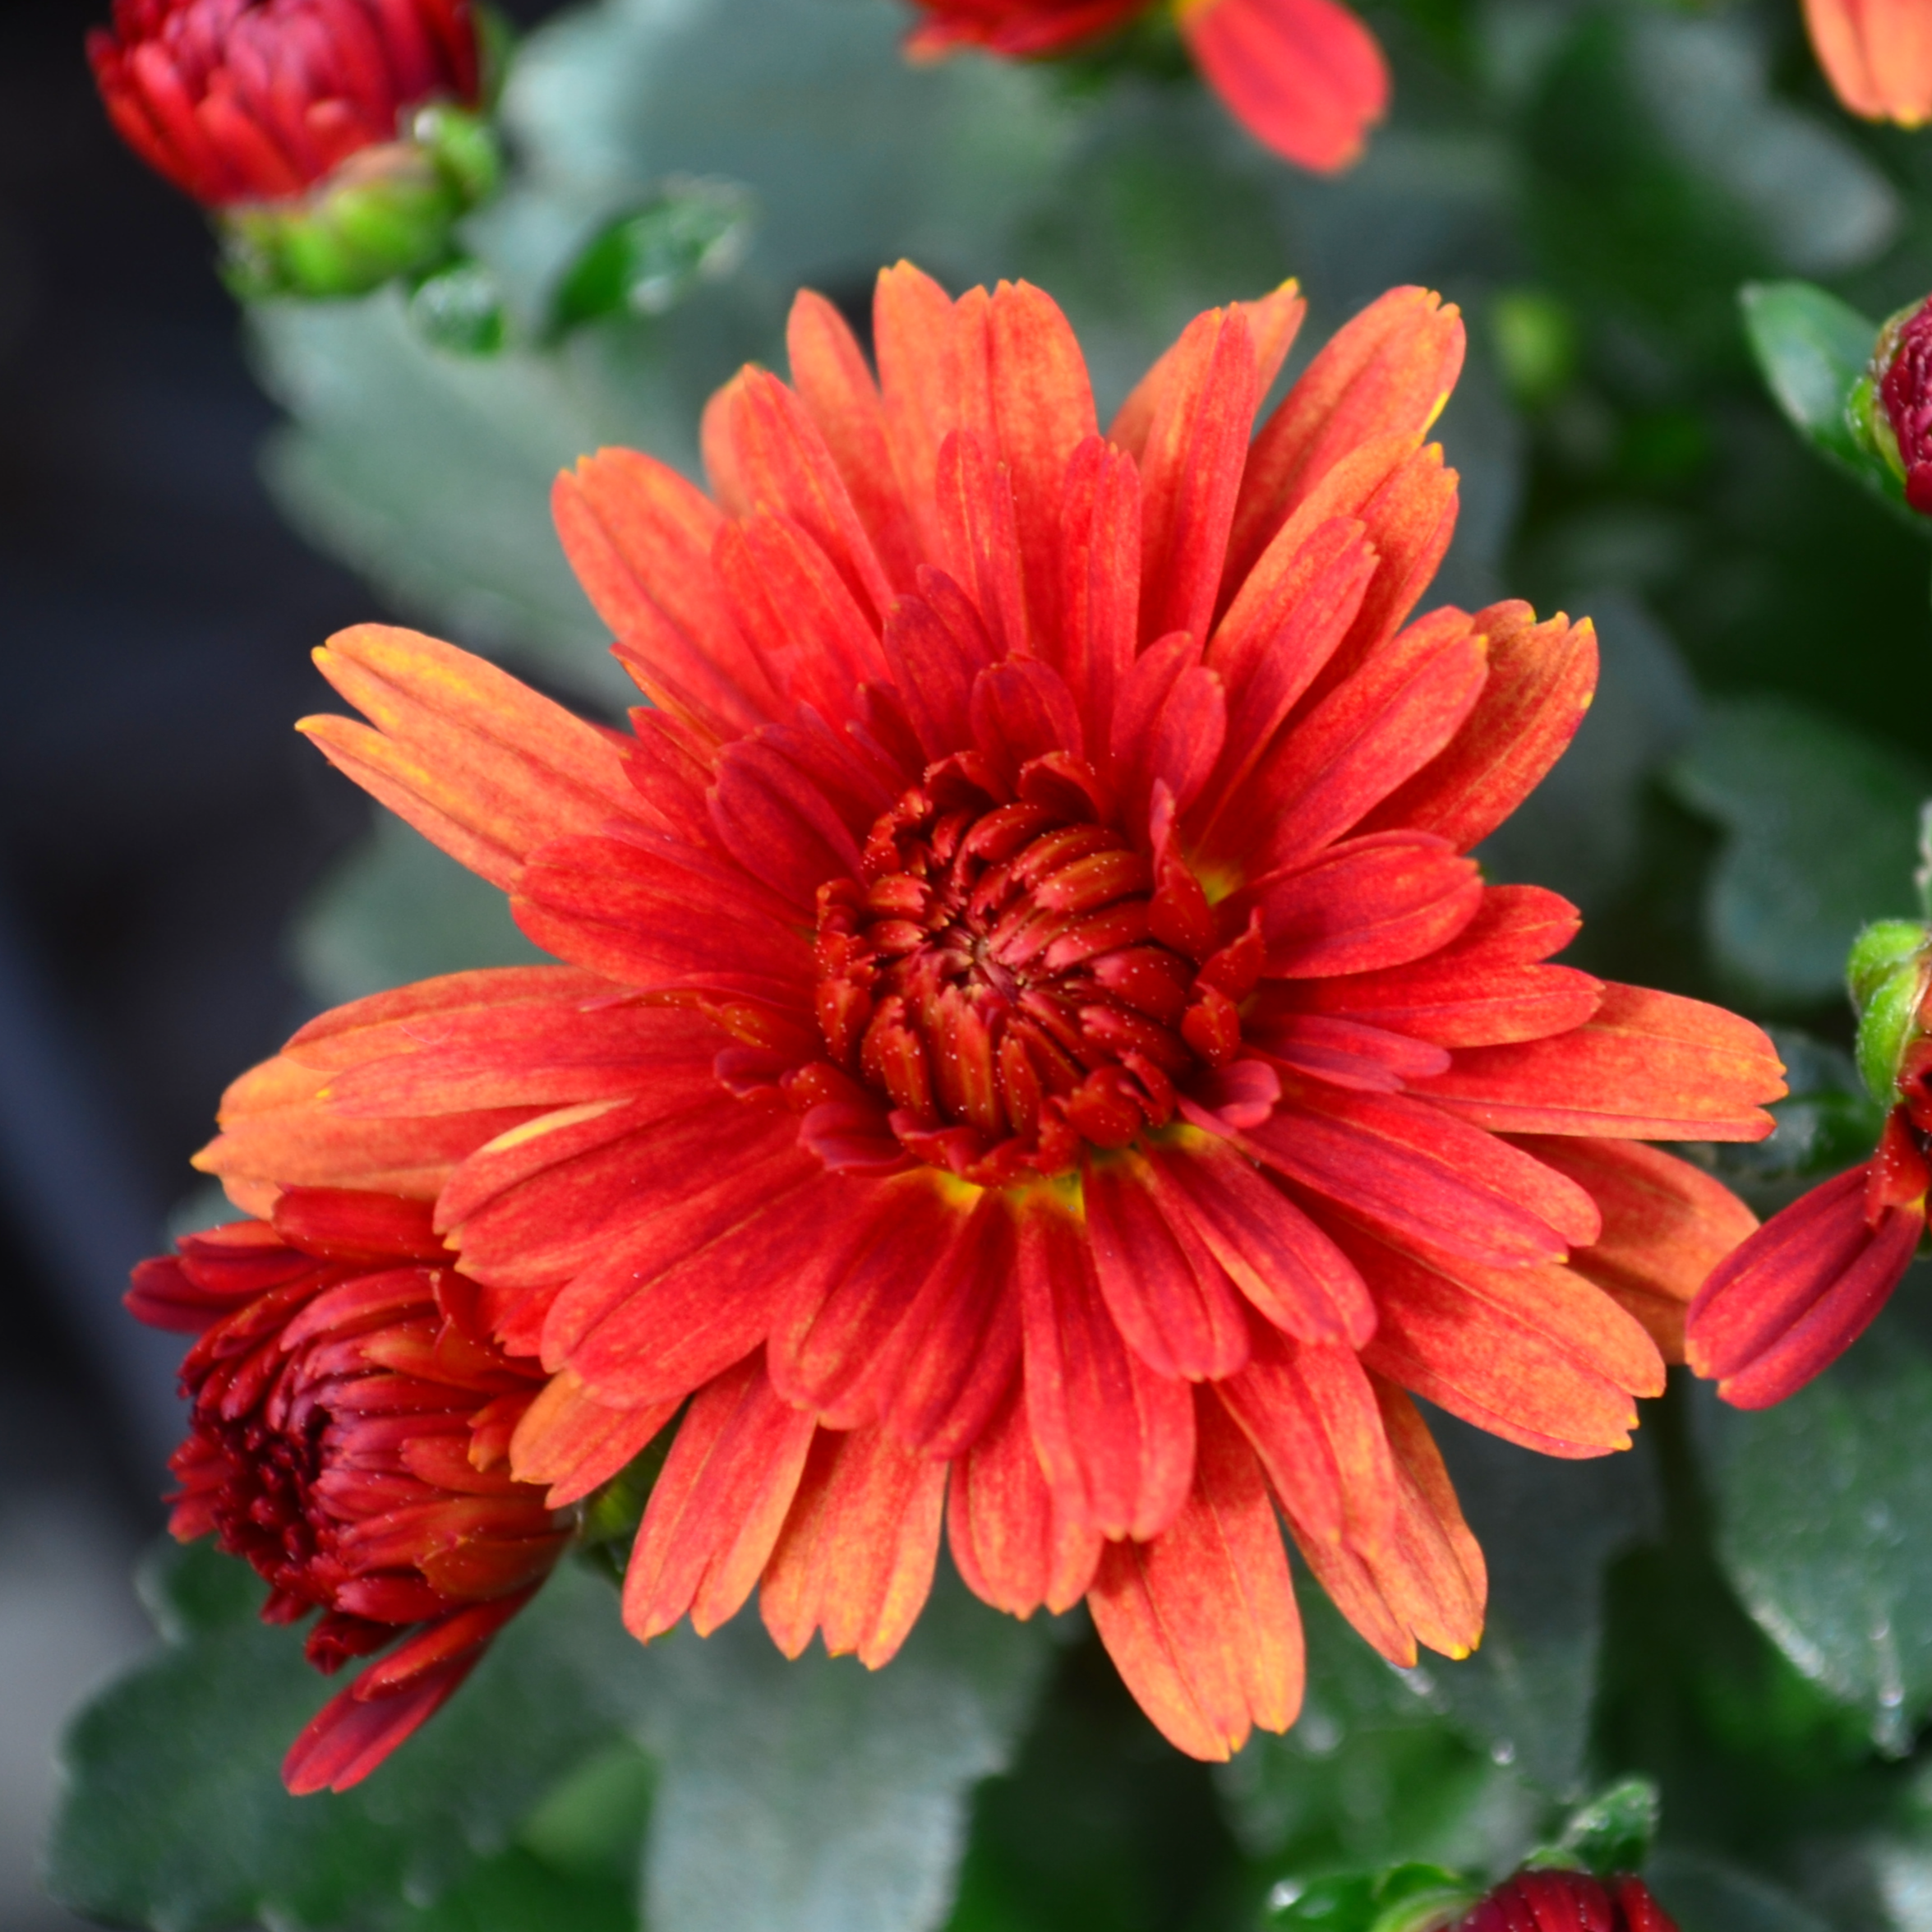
(350, 1435)
(1305, 77)
(1035, 1056)
(1878, 56)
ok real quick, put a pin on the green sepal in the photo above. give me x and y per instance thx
(1886, 973)
(1611, 1833)
(1406, 1899)
(388, 211)
(459, 308)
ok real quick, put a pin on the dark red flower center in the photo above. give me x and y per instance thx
(1015, 980)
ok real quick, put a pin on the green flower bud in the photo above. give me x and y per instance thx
(1886, 972)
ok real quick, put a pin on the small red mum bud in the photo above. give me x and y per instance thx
(1555, 1900)
(349, 1436)
(331, 136)
(257, 100)
(1904, 356)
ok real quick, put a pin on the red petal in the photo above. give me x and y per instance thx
(1013, 1548)
(1115, 1439)
(836, 389)
(1380, 900)
(1100, 592)
(572, 1441)
(857, 1556)
(718, 1505)
(1387, 373)
(1191, 470)
(477, 761)
(1794, 1296)
(1178, 1309)
(639, 538)
(1483, 988)
(1201, 1621)
(1304, 77)
(1646, 1066)
(1667, 1224)
(1541, 677)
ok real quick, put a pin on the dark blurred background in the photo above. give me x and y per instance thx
(158, 821)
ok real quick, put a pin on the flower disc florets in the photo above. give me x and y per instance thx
(1015, 980)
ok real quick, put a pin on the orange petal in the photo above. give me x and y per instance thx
(1387, 372)
(1541, 677)
(1667, 1224)
(857, 1556)
(718, 1505)
(1202, 1622)
(572, 1441)
(1272, 321)
(477, 761)
(1645, 1066)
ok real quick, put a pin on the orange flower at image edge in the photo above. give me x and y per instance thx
(1877, 54)
(1305, 77)
(1033, 1061)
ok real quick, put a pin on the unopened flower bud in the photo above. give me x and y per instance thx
(1891, 406)
(333, 140)
(1886, 973)
(1558, 1900)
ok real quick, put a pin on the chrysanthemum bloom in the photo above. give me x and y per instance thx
(1305, 77)
(1788, 1302)
(1557, 1901)
(1877, 54)
(1035, 1054)
(349, 1436)
(300, 122)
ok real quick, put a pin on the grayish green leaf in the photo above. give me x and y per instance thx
(818, 1797)
(397, 909)
(1706, 1894)
(1822, 825)
(1825, 1524)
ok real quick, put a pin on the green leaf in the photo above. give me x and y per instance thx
(173, 1814)
(1708, 1894)
(1411, 1897)
(397, 909)
(1826, 1124)
(818, 1795)
(1612, 1832)
(1376, 1769)
(1824, 1508)
(647, 261)
(1812, 350)
(1822, 826)
(1549, 1529)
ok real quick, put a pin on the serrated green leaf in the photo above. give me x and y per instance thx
(818, 1795)
(1824, 1507)
(173, 1816)
(1822, 825)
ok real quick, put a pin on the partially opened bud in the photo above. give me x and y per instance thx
(1557, 1901)
(349, 1437)
(333, 139)
(1790, 1299)
(1891, 408)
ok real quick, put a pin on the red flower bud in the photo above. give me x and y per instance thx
(257, 100)
(1553, 1901)
(1906, 390)
(349, 1437)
